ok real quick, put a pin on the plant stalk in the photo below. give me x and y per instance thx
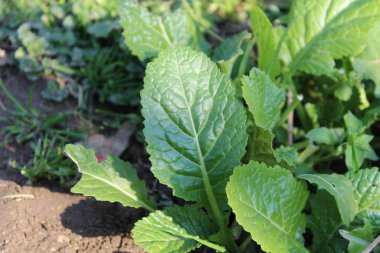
(372, 245)
(198, 20)
(244, 61)
(309, 150)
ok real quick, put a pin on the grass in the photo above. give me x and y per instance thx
(44, 135)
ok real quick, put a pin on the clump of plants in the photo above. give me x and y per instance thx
(77, 45)
(41, 133)
(278, 157)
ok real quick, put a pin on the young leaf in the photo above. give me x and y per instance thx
(342, 190)
(268, 203)
(324, 221)
(266, 41)
(358, 149)
(176, 229)
(195, 126)
(359, 238)
(147, 34)
(263, 97)
(262, 147)
(366, 183)
(112, 180)
(367, 63)
(353, 124)
(228, 51)
(327, 136)
(286, 156)
(321, 31)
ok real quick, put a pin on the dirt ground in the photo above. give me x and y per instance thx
(43, 219)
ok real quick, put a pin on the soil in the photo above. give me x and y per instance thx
(45, 219)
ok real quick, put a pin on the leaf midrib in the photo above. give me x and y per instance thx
(266, 218)
(206, 180)
(142, 203)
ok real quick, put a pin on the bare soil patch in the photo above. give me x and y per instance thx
(44, 218)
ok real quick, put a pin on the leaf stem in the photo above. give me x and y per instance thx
(289, 109)
(289, 96)
(244, 61)
(372, 245)
(308, 151)
(211, 245)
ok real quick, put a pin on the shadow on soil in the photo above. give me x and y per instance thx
(96, 218)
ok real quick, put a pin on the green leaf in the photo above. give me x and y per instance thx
(266, 41)
(112, 180)
(176, 229)
(321, 31)
(328, 136)
(195, 126)
(358, 149)
(324, 221)
(263, 97)
(262, 147)
(366, 183)
(342, 190)
(147, 34)
(268, 203)
(54, 92)
(229, 50)
(367, 63)
(371, 115)
(353, 124)
(287, 155)
(102, 29)
(359, 238)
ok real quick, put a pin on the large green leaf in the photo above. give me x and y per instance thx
(146, 34)
(268, 203)
(263, 97)
(195, 126)
(112, 180)
(229, 50)
(367, 63)
(366, 183)
(324, 221)
(176, 229)
(321, 31)
(266, 41)
(342, 190)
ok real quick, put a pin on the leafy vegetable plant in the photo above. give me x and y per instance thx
(249, 171)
